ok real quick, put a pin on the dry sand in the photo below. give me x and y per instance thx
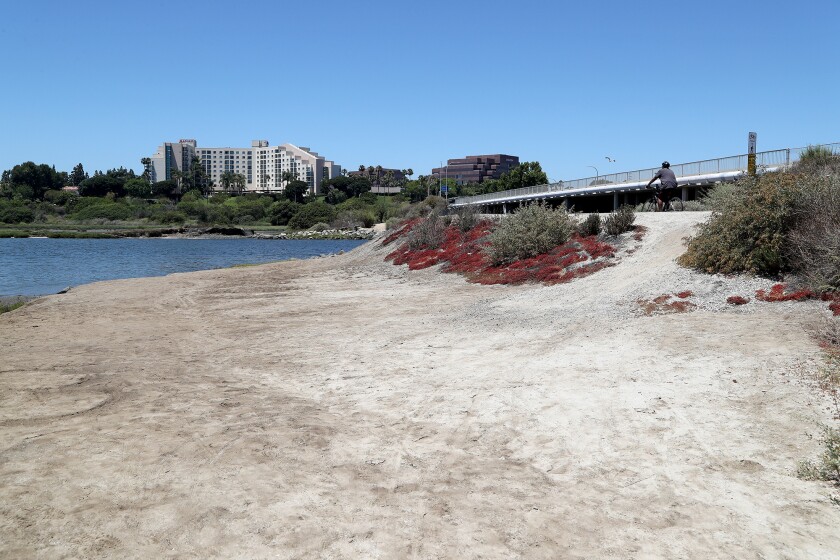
(347, 408)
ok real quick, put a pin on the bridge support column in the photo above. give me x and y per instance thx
(615, 201)
(684, 194)
(566, 204)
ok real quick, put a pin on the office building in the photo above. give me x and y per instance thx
(475, 169)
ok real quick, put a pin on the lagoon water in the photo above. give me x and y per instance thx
(35, 266)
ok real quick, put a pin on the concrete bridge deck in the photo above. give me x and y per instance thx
(605, 192)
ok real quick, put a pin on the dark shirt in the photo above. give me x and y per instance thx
(666, 178)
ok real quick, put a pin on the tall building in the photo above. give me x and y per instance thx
(171, 156)
(475, 169)
(264, 167)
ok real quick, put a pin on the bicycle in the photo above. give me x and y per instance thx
(675, 204)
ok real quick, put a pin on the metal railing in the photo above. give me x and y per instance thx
(773, 159)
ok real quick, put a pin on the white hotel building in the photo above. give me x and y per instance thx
(263, 166)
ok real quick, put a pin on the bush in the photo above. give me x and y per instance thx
(814, 242)
(828, 467)
(60, 198)
(349, 219)
(468, 216)
(320, 226)
(282, 211)
(530, 231)
(620, 221)
(15, 212)
(591, 225)
(311, 214)
(747, 229)
(818, 160)
(428, 233)
(101, 209)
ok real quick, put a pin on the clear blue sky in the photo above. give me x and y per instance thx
(402, 84)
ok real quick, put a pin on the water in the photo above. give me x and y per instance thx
(32, 267)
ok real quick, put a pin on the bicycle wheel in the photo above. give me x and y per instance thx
(677, 204)
(649, 205)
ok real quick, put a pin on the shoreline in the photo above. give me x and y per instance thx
(191, 232)
(15, 297)
(350, 408)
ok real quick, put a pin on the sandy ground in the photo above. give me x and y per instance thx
(347, 408)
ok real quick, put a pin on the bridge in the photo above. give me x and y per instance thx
(608, 192)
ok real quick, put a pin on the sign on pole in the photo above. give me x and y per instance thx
(751, 153)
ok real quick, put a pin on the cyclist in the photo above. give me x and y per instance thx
(667, 186)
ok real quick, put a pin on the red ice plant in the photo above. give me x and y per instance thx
(777, 293)
(464, 253)
(737, 300)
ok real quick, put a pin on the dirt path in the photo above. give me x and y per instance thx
(347, 408)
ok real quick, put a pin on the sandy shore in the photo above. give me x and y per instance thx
(347, 408)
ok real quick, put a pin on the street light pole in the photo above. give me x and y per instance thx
(596, 172)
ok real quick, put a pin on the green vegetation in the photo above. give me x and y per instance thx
(827, 467)
(530, 231)
(620, 221)
(6, 307)
(592, 225)
(778, 222)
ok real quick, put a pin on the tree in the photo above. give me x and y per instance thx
(177, 176)
(350, 186)
(227, 180)
(78, 175)
(37, 178)
(195, 178)
(112, 181)
(238, 183)
(138, 188)
(296, 190)
(146, 162)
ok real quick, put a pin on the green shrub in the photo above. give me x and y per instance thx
(620, 221)
(15, 212)
(60, 198)
(591, 225)
(320, 226)
(311, 214)
(468, 216)
(429, 233)
(7, 233)
(196, 209)
(349, 219)
(813, 247)
(747, 229)
(102, 209)
(694, 206)
(282, 211)
(828, 466)
(818, 160)
(530, 231)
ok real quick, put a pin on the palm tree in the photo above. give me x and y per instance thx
(238, 181)
(266, 179)
(227, 180)
(409, 172)
(176, 176)
(361, 169)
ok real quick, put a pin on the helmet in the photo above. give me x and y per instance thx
(666, 164)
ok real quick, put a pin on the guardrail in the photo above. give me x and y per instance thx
(768, 159)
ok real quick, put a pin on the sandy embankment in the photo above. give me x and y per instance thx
(346, 408)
